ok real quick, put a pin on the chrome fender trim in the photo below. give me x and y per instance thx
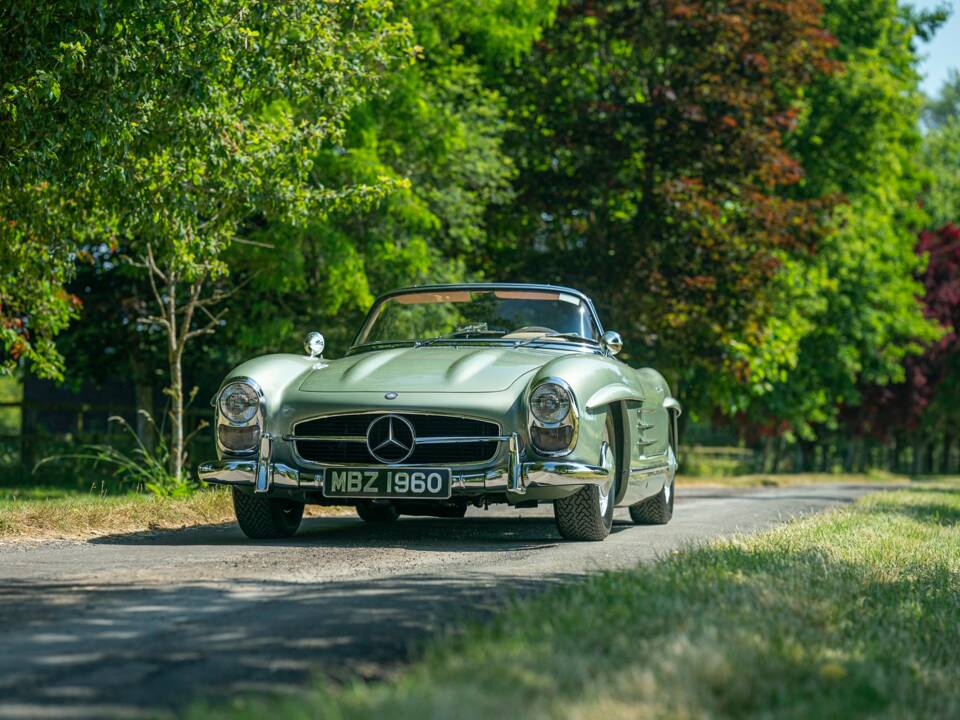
(565, 474)
(671, 404)
(245, 473)
(613, 393)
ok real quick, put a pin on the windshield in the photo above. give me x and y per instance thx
(515, 315)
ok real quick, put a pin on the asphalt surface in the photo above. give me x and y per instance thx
(141, 624)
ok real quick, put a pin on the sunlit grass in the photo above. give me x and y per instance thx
(790, 479)
(853, 613)
(39, 514)
(78, 516)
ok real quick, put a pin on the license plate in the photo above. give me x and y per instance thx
(390, 483)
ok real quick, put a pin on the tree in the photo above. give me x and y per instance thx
(189, 121)
(941, 154)
(858, 140)
(944, 108)
(651, 147)
(926, 403)
(439, 125)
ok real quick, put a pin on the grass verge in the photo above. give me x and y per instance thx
(84, 516)
(791, 479)
(853, 613)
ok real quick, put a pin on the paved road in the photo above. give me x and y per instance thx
(128, 625)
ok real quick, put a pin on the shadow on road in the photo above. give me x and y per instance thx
(496, 533)
(113, 649)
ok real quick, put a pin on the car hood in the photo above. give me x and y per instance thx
(440, 369)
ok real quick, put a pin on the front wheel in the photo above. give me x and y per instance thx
(262, 518)
(588, 514)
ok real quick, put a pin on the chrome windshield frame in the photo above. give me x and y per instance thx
(478, 287)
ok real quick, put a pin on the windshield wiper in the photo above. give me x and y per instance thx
(467, 330)
(382, 344)
(572, 337)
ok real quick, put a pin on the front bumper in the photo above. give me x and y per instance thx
(515, 478)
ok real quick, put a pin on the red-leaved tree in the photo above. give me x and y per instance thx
(925, 408)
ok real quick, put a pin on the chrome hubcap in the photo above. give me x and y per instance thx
(604, 501)
(672, 469)
(609, 462)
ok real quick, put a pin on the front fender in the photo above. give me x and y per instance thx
(597, 383)
(611, 394)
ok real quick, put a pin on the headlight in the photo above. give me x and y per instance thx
(239, 402)
(550, 403)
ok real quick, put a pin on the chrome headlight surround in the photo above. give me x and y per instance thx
(570, 421)
(244, 428)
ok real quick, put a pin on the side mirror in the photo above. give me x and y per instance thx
(612, 342)
(314, 344)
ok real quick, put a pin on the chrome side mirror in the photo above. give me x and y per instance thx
(612, 342)
(314, 344)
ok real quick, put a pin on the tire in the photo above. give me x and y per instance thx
(658, 510)
(377, 512)
(587, 515)
(263, 518)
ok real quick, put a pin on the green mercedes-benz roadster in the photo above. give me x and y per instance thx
(451, 396)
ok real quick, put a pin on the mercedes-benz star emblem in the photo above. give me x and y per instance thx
(391, 439)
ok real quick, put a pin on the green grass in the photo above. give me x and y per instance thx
(45, 513)
(854, 613)
(873, 477)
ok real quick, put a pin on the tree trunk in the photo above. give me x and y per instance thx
(777, 450)
(177, 321)
(764, 454)
(866, 455)
(945, 453)
(848, 460)
(176, 413)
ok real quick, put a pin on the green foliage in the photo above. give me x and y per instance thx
(944, 108)
(848, 314)
(34, 306)
(177, 122)
(10, 391)
(941, 157)
(144, 468)
(437, 132)
(735, 185)
(649, 141)
(941, 154)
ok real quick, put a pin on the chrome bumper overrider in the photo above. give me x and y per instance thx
(516, 477)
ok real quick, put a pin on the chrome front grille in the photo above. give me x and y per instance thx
(342, 439)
